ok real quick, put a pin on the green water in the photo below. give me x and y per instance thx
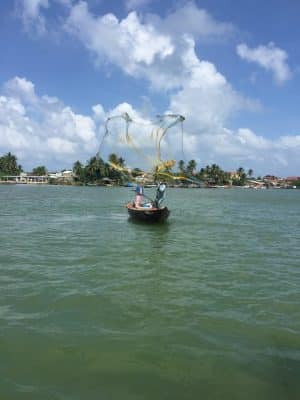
(93, 306)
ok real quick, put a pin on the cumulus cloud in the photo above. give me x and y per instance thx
(99, 112)
(162, 51)
(289, 142)
(206, 98)
(269, 57)
(146, 46)
(198, 88)
(192, 20)
(126, 43)
(42, 128)
(242, 147)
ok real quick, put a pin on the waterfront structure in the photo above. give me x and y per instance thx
(24, 178)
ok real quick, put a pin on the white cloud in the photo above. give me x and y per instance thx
(144, 47)
(289, 142)
(192, 20)
(269, 57)
(31, 15)
(61, 146)
(205, 94)
(22, 89)
(99, 113)
(128, 43)
(41, 128)
(48, 132)
(162, 51)
(232, 149)
(249, 139)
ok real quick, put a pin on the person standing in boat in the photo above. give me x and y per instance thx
(139, 195)
(160, 194)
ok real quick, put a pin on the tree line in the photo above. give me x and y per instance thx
(96, 169)
(115, 169)
(214, 174)
(9, 166)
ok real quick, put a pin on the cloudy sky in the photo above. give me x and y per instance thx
(232, 68)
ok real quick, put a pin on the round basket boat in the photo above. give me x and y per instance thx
(148, 214)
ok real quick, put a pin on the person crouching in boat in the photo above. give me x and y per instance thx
(139, 196)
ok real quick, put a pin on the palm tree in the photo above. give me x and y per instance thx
(95, 169)
(121, 162)
(250, 172)
(240, 171)
(79, 171)
(226, 178)
(116, 166)
(201, 174)
(113, 158)
(77, 167)
(136, 172)
(9, 165)
(215, 172)
(190, 169)
(242, 176)
(207, 171)
(181, 166)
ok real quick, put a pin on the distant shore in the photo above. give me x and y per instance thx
(180, 186)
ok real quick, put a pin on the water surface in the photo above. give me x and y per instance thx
(93, 306)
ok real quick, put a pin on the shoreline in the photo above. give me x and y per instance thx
(9, 183)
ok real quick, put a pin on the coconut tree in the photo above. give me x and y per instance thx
(181, 166)
(79, 171)
(40, 170)
(95, 169)
(116, 168)
(240, 171)
(190, 169)
(113, 159)
(121, 162)
(9, 165)
(136, 172)
(215, 172)
(242, 176)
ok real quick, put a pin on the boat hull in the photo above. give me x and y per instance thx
(148, 215)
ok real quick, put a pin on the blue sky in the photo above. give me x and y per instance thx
(232, 68)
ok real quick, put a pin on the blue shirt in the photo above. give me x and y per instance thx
(139, 190)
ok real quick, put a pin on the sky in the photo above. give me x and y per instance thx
(231, 68)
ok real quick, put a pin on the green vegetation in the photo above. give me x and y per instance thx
(214, 175)
(210, 175)
(297, 183)
(9, 165)
(96, 170)
(40, 170)
(240, 177)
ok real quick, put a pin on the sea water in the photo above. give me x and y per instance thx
(93, 306)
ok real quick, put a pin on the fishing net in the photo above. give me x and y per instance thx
(150, 144)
